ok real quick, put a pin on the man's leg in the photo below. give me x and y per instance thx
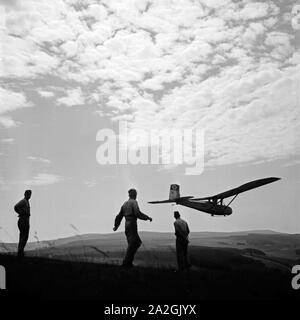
(177, 255)
(133, 246)
(127, 261)
(180, 254)
(21, 237)
(186, 260)
(23, 225)
(134, 242)
(26, 232)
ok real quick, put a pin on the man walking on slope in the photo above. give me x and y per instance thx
(131, 211)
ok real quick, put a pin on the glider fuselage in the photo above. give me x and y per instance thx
(208, 207)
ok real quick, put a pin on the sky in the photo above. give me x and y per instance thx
(70, 68)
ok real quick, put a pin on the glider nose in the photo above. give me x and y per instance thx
(228, 211)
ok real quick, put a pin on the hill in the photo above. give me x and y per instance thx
(221, 274)
(243, 265)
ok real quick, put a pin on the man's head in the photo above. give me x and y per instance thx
(132, 193)
(27, 194)
(176, 214)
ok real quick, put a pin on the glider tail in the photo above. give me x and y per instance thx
(174, 196)
(174, 192)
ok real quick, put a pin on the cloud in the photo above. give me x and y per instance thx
(90, 184)
(43, 179)
(226, 66)
(280, 44)
(293, 162)
(46, 94)
(38, 159)
(10, 101)
(254, 10)
(7, 122)
(9, 3)
(8, 140)
(74, 97)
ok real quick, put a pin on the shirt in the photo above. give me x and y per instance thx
(181, 229)
(131, 211)
(23, 208)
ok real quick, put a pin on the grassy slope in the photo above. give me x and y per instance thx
(220, 274)
(226, 265)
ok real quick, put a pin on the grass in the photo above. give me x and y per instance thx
(89, 269)
(220, 275)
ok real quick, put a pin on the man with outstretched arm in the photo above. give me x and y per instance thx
(131, 211)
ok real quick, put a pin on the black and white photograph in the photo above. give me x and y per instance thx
(150, 152)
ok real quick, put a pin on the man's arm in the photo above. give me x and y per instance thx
(177, 230)
(138, 213)
(118, 219)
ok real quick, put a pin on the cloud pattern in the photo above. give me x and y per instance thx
(229, 67)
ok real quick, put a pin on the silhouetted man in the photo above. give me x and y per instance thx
(23, 210)
(182, 240)
(131, 211)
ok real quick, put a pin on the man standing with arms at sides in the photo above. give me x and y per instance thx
(182, 240)
(131, 211)
(23, 210)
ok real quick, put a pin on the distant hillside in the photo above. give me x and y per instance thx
(272, 243)
(146, 234)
